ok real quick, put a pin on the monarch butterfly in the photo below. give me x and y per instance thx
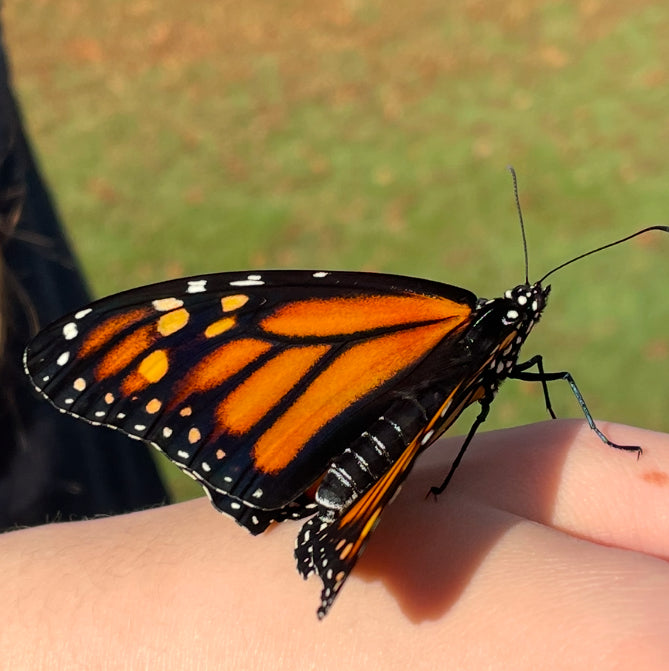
(292, 394)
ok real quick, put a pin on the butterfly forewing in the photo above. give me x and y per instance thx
(250, 381)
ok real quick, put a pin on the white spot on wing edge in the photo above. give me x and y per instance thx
(63, 358)
(426, 438)
(82, 313)
(166, 304)
(444, 410)
(250, 281)
(321, 273)
(70, 331)
(196, 286)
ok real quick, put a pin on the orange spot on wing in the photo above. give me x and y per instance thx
(109, 329)
(341, 316)
(154, 366)
(264, 388)
(220, 326)
(153, 406)
(215, 368)
(351, 376)
(124, 352)
(173, 321)
(150, 369)
(231, 303)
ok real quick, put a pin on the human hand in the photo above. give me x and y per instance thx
(547, 551)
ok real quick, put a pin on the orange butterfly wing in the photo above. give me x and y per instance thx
(250, 382)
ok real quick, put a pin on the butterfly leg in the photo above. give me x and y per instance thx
(485, 408)
(520, 372)
(538, 361)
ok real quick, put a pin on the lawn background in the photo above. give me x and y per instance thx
(184, 138)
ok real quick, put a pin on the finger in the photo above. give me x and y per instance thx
(560, 474)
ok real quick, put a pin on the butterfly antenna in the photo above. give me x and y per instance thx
(599, 249)
(520, 218)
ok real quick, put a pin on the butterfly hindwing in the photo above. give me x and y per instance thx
(256, 520)
(330, 546)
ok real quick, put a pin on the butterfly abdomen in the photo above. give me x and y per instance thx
(370, 455)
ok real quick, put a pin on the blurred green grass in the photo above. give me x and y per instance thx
(185, 138)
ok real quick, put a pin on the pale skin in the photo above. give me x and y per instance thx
(548, 551)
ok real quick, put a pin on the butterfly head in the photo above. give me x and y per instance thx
(527, 303)
(520, 307)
